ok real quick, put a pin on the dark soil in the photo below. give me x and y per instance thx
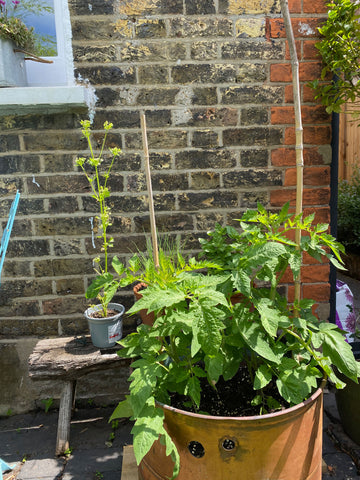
(230, 399)
(99, 314)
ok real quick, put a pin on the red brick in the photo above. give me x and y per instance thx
(285, 157)
(316, 196)
(322, 215)
(314, 6)
(282, 115)
(312, 156)
(317, 135)
(310, 71)
(319, 292)
(309, 95)
(302, 27)
(276, 28)
(310, 52)
(280, 72)
(312, 176)
(311, 196)
(315, 273)
(295, 6)
(312, 135)
(309, 260)
(310, 114)
(298, 50)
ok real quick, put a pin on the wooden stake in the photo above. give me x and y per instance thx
(149, 187)
(299, 147)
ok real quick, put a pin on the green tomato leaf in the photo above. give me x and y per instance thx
(258, 341)
(146, 431)
(263, 377)
(338, 350)
(214, 366)
(268, 316)
(122, 410)
(155, 298)
(193, 389)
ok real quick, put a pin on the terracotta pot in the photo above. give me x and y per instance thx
(285, 445)
(147, 318)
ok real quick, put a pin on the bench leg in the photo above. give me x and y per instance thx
(66, 405)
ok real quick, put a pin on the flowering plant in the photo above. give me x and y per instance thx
(12, 24)
(13, 28)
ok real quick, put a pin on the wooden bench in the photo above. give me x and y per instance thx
(66, 359)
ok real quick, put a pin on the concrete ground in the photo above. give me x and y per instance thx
(97, 446)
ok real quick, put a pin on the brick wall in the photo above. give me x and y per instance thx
(214, 79)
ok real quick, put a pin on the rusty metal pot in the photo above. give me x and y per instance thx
(286, 445)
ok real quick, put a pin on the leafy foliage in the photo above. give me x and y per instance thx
(349, 212)
(13, 25)
(14, 29)
(104, 285)
(340, 51)
(200, 333)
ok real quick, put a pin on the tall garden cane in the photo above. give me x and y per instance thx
(149, 187)
(299, 147)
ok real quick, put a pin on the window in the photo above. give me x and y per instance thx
(57, 25)
(51, 87)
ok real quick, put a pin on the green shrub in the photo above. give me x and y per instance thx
(349, 213)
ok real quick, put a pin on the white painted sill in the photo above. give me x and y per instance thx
(26, 100)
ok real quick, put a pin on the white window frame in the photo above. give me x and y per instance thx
(61, 71)
(51, 87)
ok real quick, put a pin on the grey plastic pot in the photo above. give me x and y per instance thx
(105, 331)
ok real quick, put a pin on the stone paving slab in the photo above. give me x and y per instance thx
(96, 446)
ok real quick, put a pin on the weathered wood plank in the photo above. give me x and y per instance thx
(63, 428)
(68, 358)
(129, 469)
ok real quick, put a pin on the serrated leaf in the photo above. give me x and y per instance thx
(170, 449)
(209, 328)
(214, 366)
(258, 341)
(292, 386)
(122, 410)
(146, 431)
(155, 298)
(263, 377)
(337, 264)
(338, 350)
(97, 284)
(268, 316)
(118, 266)
(193, 389)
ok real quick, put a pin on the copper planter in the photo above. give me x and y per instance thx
(285, 445)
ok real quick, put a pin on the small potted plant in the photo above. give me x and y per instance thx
(223, 389)
(17, 40)
(105, 319)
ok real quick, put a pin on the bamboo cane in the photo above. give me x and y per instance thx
(299, 148)
(149, 187)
